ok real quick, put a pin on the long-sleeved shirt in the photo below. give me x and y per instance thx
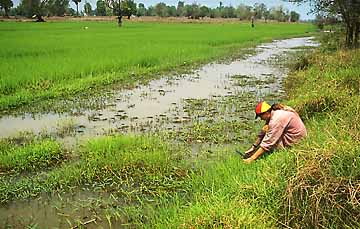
(285, 128)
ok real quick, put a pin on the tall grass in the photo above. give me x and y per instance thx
(228, 193)
(325, 192)
(123, 165)
(30, 157)
(52, 60)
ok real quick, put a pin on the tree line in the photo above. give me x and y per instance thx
(29, 8)
(343, 12)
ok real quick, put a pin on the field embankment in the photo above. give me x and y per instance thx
(325, 188)
(42, 61)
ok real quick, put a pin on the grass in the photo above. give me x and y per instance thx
(60, 59)
(325, 190)
(155, 184)
(30, 157)
(151, 182)
(127, 165)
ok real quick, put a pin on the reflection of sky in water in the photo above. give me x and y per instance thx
(159, 96)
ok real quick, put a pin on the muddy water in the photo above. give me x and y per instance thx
(154, 104)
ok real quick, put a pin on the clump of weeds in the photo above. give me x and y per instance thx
(66, 128)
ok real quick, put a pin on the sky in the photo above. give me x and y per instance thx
(302, 9)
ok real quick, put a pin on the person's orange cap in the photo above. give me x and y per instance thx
(261, 107)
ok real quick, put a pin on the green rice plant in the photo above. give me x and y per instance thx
(31, 157)
(124, 165)
(67, 59)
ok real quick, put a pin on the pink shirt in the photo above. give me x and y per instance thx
(285, 129)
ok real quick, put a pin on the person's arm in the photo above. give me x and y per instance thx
(253, 147)
(257, 154)
(260, 137)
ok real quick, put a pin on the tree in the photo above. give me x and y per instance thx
(243, 12)
(188, 11)
(348, 10)
(6, 5)
(33, 8)
(77, 6)
(141, 10)
(259, 10)
(214, 13)
(228, 12)
(87, 9)
(128, 8)
(100, 8)
(294, 16)
(115, 6)
(161, 9)
(278, 13)
(150, 11)
(180, 9)
(204, 11)
(57, 7)
(171, 11)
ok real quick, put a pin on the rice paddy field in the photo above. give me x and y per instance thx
(42, 61)
(188, 177)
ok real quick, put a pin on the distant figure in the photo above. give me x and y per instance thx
(283, 128)
(119, 20)
(252, 21)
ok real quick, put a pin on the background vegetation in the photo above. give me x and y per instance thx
(130, 8)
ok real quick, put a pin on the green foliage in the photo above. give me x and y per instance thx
(349, 11)
(87, 8)
(122, 165)
(325, 191)
(128, 8)
(100, 8)
(6, 5)
(30, 157)
(228, 193)
(67, 69)
(57, 7)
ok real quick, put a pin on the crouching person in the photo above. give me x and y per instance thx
(283, 127)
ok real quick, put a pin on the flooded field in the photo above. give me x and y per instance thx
(211, 96)
(162, 103)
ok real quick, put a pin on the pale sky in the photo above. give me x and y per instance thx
(302, 9)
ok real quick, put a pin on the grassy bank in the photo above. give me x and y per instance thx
(40, 61)
(325, 192)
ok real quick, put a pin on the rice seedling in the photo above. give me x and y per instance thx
(43, 68)
(31, 157)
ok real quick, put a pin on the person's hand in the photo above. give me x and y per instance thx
(251, 150)
(248, 160)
